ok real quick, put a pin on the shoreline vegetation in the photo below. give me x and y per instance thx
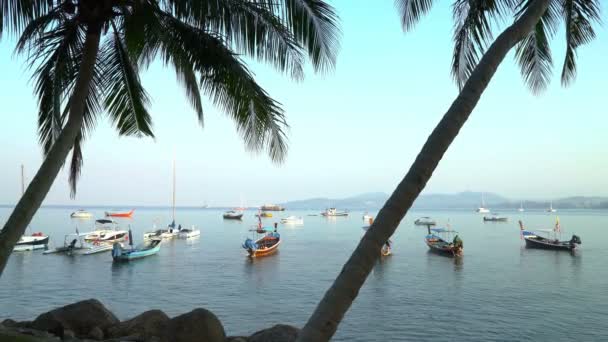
(90, 320)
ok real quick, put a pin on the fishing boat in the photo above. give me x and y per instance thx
(438, 240)
(34, 241)
(81, 214)
(265, 245)
(263, 214)
(75, 244)
(271, 207)
(482, 209)
(189, 233)
(332, 212)
(550, 241)
(293, 220)
(233, 215)
(551, 209)
(31, 242)
(495, 218)
(120, 213)
(425, 221)
(148, 248)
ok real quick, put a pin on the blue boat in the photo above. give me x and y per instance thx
(148, 248)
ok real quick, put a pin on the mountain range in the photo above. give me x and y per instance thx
(461, 200)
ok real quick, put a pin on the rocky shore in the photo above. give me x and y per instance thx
(89, 320)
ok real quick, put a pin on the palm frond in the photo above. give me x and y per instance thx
(126, 99)
(314, 24)
(75, 165)
(533, 54)
(473, 32)
(411, 11)
(15, 15)
(578, 16)
(225, 79)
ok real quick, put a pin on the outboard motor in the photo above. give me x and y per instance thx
(116, 250)
(250, 245)
(575, 240)
(71, 246)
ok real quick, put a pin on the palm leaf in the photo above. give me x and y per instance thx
(578, 16)
(126, 99)
(411, 11)
(15, 15)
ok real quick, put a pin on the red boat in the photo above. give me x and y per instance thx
(120, 213)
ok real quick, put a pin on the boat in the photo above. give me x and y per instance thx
(438, 239)
(367, 217)
(521, 207)
(75, 244)
(105, 232)
(189, 233)
(294, 220)
(386, 249)
(145, 249)
(551, 209)
(495, 218)
(265, 245)
(425, 221)
(233, 215)
(482, 209)
(82, 214)
(271, 207)
(550, 241)
(333, 212)
(120, 213)
(263, 214)
(165, 234)
(31, 242)
(34, 241)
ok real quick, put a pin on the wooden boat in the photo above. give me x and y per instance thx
(331, 212)
(120, 213)
(551, 241)
(271, 207)
(233, 215)
(148, 248)
(82, 214)
(266, 245)
(437, 241)
(495, 218)
(425, 221)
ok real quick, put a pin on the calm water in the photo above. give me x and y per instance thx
(498, 291)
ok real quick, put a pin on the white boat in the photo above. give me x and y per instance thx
(333, 212)
(189, 233)
(425, 221)
(74, 244)
(551, 209)
(107, 236)
(482, 209)
(295, 220)
(165, 234)
(367, 217)
(82, 214)
(34, 241)
(521, 207)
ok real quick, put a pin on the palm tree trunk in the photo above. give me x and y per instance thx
(54, 160)
(324, 321)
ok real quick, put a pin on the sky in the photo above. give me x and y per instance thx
(355, 129)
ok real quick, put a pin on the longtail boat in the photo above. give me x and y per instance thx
(265, 245)
(148, 248)
(551, 241)
(438, 241)
(120, 213)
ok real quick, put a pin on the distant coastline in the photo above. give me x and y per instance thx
(375, 200)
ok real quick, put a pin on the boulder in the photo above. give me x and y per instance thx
(80, 318)
(96, 333)
(148, 325)
(236, 339)
(278, 333)
(198, 325)
(9, 323)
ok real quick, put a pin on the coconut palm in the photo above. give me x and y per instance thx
(475, 61)
(86, 56)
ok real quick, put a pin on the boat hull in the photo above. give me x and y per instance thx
(32, 241)
(119, 214)
(265, 251)
(119, 254)
(547, 244)
(442, 248)
(233, 217)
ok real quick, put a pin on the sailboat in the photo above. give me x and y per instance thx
(34, 241)
(483, 209)
(551, 209)
(521, 207)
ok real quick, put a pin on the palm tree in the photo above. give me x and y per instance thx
(86, 56)
(475, 61)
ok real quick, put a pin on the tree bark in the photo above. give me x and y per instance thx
(323, 323)
(54, 160)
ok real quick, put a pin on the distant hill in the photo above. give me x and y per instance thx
(461, 200)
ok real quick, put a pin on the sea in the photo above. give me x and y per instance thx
(498, 291)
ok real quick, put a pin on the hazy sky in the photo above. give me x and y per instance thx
(354, 130)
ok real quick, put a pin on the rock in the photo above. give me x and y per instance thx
(9, 323)
(68, 334)
(96, 333)
(148, 325)
(198, 325)
(80, 318)
(278, 333)
(236, 339)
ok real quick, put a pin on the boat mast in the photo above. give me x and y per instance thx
(22, 181)
(174, 189)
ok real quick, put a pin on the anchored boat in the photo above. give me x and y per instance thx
(120, 213)
(438, 240)
(145, 249)
(293, 220)
(495, 218)
(551, 240)
(425, 221)
(333, 212)
(265, 245)
(233, 215)
(81, 214)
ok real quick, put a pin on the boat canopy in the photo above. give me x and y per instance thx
(443, 230)
(104, 221)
